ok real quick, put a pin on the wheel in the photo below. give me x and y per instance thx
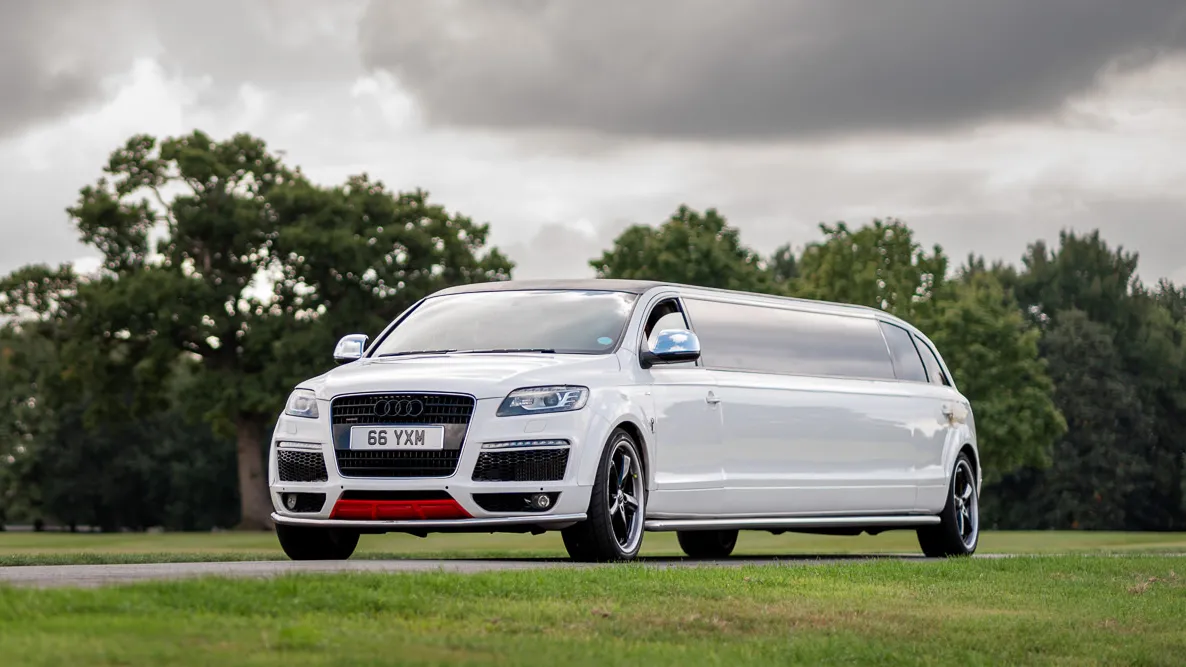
(959, 528)
(707, 543)
(614, 527)
(302, 543)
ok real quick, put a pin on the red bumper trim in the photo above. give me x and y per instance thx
(398, 510)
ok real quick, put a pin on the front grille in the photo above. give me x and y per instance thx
(438, 409)
(451, 411)
(533, 465)
(294, 466)
(397, 463)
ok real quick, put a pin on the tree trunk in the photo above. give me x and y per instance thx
(255, 504)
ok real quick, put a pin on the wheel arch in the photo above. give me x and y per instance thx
(974, 456)
(635, 431)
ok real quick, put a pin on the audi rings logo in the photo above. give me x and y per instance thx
(399, 408)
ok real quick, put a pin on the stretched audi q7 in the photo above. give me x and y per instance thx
(604, 409)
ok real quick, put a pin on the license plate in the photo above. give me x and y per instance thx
(397, 437)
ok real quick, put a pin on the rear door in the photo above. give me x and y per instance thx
(924, 427)
(949, 410)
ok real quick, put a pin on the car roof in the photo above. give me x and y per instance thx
(641, 287)
(587, 284)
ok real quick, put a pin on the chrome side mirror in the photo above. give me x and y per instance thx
(350, 348)
(671, 346)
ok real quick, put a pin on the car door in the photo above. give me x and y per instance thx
(688, 461)
(948, 411)
(922, 428)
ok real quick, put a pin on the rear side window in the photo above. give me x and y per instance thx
(907, 363)
(934, 369)
(776, 340)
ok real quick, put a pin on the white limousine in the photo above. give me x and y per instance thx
(606, 408)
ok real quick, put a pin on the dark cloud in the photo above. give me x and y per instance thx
(753, 69)
(53, 56)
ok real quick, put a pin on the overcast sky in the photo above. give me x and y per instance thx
(984, 124)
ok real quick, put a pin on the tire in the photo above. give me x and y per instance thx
(707, 543)
(958, 531)
(302, 543)
(617, 506)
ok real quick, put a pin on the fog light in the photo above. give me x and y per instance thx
(290, 501)
(541, 501)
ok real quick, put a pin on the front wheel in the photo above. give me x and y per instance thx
(308, 543)
(958, 531)
(614, 527)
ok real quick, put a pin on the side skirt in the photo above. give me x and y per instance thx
(792, 523)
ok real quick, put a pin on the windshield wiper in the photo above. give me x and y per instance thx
(411, 352)
(508, 350)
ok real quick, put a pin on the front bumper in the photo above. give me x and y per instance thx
(492, 524)
(579, 428)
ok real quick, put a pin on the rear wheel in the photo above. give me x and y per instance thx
(707, 543)
(614, 527)
(309, 543)
(958, 531)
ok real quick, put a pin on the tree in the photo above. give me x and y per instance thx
(1083, 273)
(689, 248)
(217, 252)
(784, 267)
(36, 301)
(878, 265)
(1124, 394)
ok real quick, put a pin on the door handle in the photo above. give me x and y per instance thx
(711, 399)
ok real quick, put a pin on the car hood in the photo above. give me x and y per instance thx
(481, 375)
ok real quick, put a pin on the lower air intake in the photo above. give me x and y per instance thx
(533, 465)
(296, 466)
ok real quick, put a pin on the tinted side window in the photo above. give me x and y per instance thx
(907, 363)
(774, 340)
(934, 370)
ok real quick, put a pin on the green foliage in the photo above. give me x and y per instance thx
(1083, 273)
(689, 248)
(878, 265)
(1118, 358)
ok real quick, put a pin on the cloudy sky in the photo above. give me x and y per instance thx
(985, 125)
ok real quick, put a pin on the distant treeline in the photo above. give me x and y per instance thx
(143, 395)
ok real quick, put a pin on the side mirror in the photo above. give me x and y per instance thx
(350, 348)
(671, 346)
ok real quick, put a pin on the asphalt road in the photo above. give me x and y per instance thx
(48, 576)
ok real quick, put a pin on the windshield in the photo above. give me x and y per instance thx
(529, 320)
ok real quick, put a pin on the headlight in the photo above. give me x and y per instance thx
(302, 403)
(538, 400)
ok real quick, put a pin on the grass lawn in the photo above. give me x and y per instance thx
(51, 548)
(1042, 610)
